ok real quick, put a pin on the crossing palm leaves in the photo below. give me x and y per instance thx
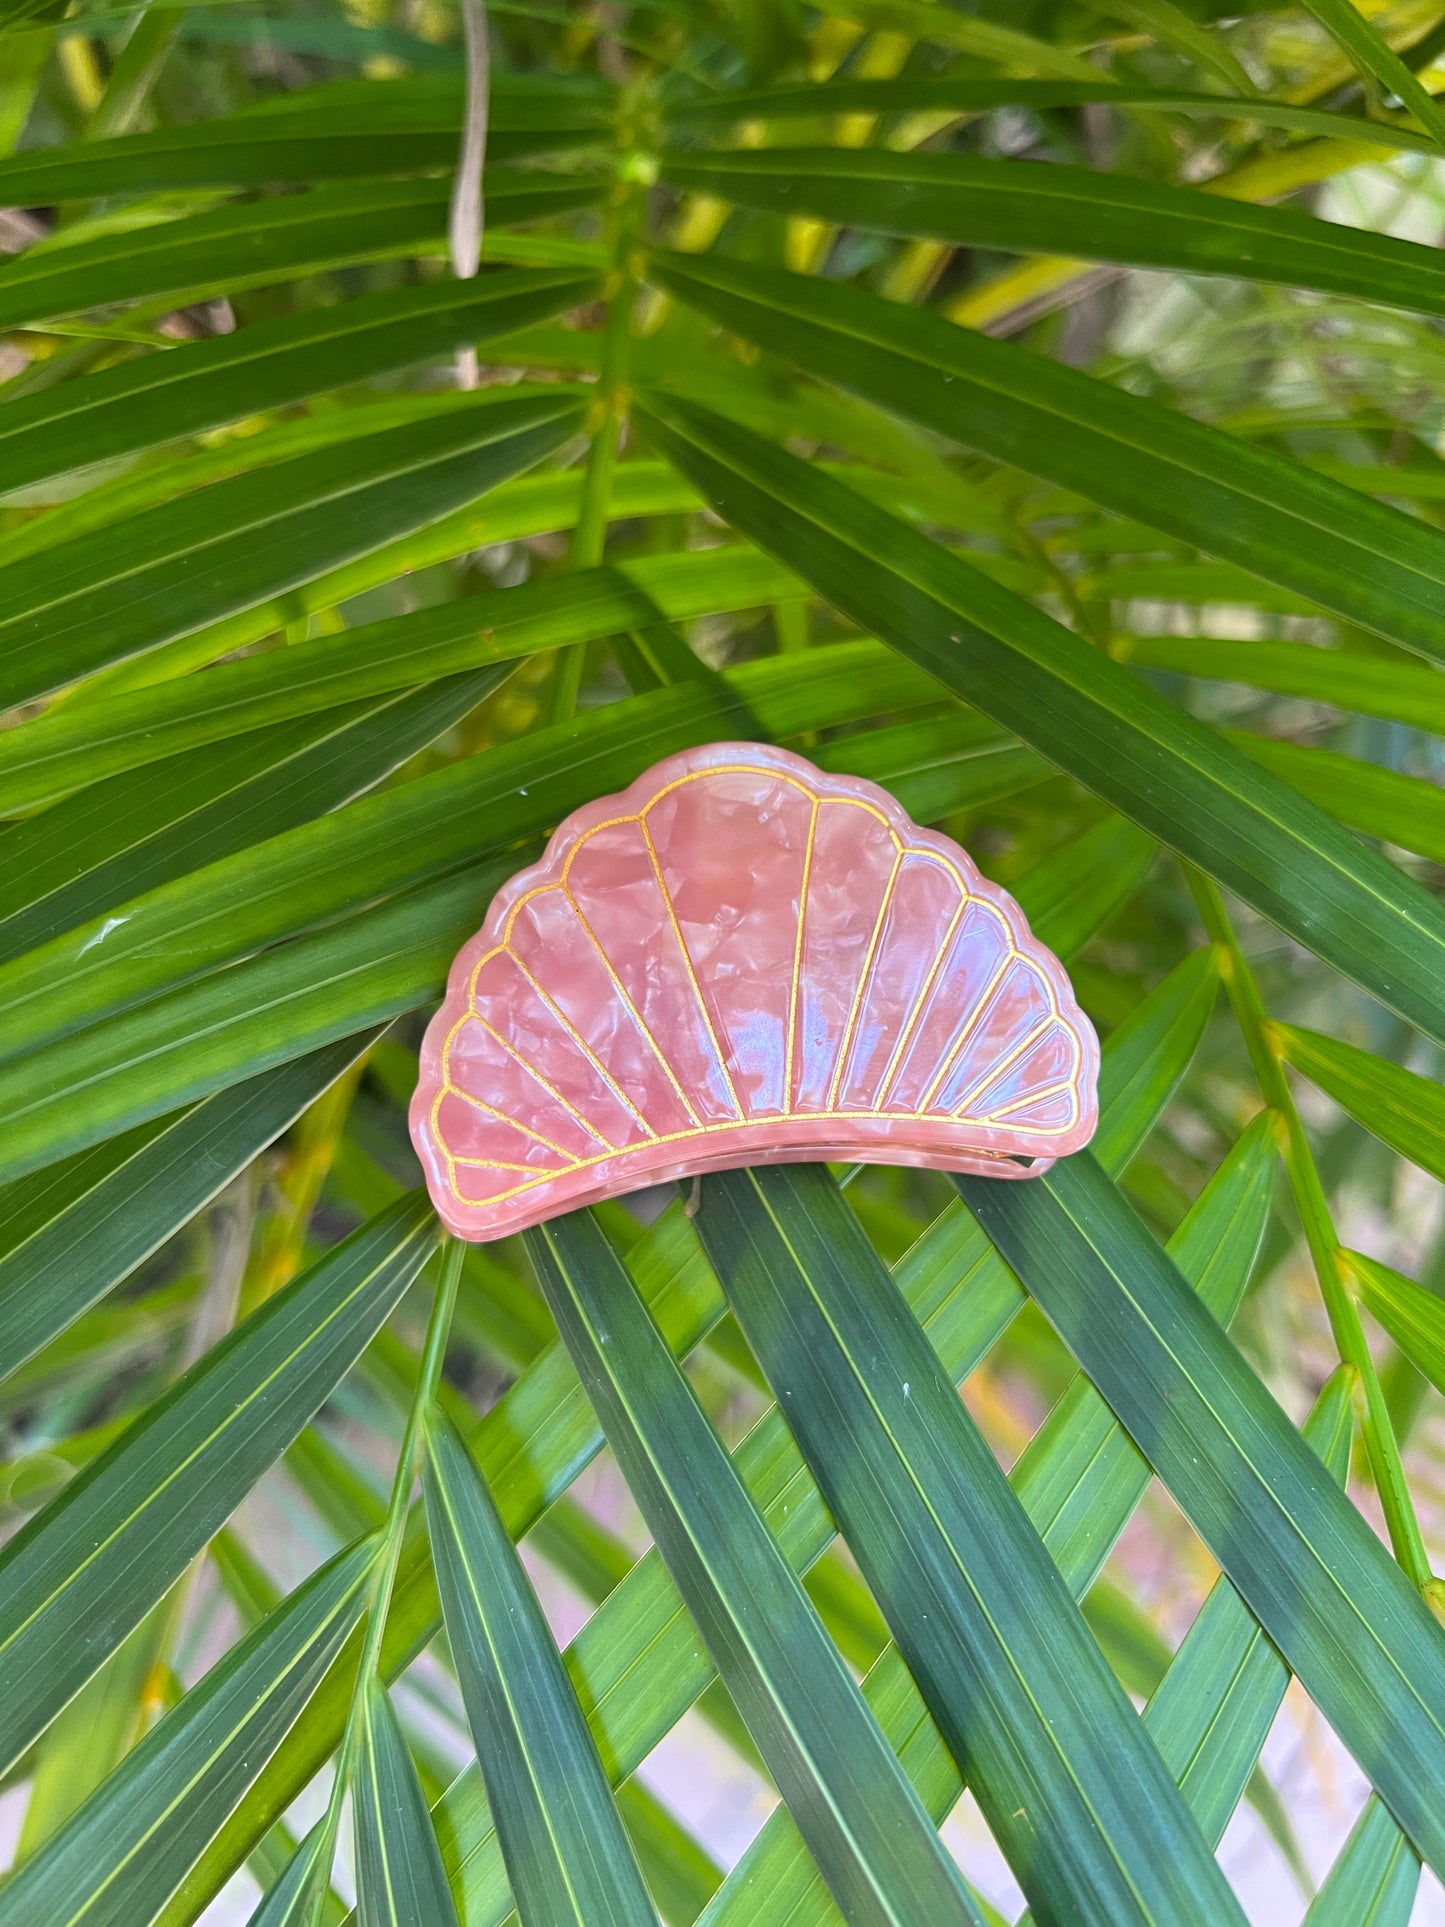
(1036, 419)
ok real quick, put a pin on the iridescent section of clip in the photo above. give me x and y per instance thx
(742, 960)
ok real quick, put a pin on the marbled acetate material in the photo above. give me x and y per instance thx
(742, 960)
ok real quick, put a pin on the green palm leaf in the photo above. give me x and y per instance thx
(1374, 56)
(1300, 1555)
(1213, 1709)
(141, 403)
(874, 1843)
(982, 94)
(1025, 209)
(255, 243)
(122, 1855)
(1176, 778)
(1350, 555)
(410, 125)
(400, 1881)
(1075, 1799)
(1413, 1316)
(1080, 1476)
(1375, 1879)
(85, 1571)
(291, 1902)
(678, 1870)
(1216, 1701)
(1374, 686)
(567, 1856)
(1407, 811)
(1398, 1105)
(75, 1231)
(530, 1448)
(172, 569)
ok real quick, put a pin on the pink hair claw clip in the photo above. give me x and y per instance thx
(743, 960)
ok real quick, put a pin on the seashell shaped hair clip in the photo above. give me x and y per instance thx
(743, 960)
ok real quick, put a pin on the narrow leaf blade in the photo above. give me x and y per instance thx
(1374, 1881)
(142, 403)
(1359, 558)
(258, 242)
(124, 1852)
(400, 1880)
(1414, 1317)
(1027, 207)
(1078, 1802)
(170, 570)
(873, 1841)
(1403, 1109)
(1362, 1641)
(1175, 777)
(92, 1223)
(87, 1568)
(567, 1855)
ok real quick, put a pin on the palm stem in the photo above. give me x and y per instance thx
(1330, 1265)
(589, 538)
(390, 1537)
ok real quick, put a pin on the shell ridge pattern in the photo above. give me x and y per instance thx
(643, 1027)
(581, 1043)
(784, 967)
(688, 963)
(790, 1038)
(864, 978)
